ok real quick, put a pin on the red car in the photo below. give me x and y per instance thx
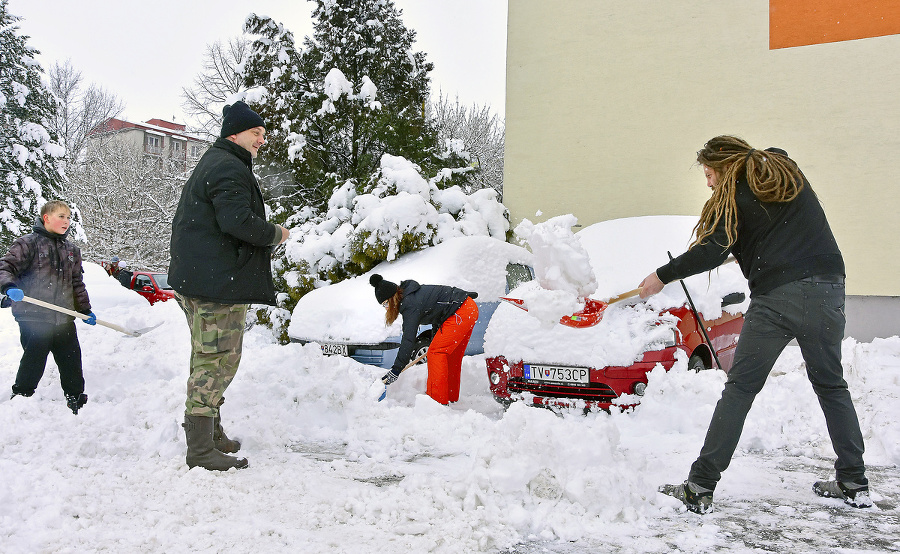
(152, 285)
(592, 388)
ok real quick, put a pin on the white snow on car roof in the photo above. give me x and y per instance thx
(622, 252)
(348, 312)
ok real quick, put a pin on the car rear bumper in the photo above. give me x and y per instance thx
(607, 388)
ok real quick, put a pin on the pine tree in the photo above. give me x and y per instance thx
(356, 91)
(30, 156)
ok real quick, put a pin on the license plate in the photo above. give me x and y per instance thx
(558, 374)
(334, 349)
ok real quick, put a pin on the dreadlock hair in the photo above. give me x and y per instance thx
(771, 174)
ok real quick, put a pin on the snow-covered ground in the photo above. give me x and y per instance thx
(333, 471)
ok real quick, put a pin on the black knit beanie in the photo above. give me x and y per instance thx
(383, 289)
(238, 117)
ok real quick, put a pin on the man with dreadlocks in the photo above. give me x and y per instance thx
(764, 212)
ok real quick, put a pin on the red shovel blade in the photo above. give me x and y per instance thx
(587, 317)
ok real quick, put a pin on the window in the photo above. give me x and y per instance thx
(177, 147)
(153, 144)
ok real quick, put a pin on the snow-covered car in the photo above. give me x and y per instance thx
(606, 363)
(345, 319)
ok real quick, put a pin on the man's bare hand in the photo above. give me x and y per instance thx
(651, 285)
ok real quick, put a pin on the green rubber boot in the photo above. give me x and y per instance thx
(201, 450)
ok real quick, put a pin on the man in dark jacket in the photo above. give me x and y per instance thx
(764, 211)
(221, 263)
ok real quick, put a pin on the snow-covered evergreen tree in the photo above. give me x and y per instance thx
(356, 90)
(30, 155)
(352, 163)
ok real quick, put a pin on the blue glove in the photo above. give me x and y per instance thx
(15, 294)
(391, 376)
(92, 320)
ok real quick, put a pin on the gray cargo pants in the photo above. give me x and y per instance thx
(217, 334)
(812, 311)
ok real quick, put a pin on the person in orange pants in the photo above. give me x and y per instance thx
(451, 311)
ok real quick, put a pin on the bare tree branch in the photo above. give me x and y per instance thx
(78, 110)
(127, 200)
(219, 79)
(481, 132)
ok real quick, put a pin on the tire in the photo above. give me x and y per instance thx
(421, 348)
(697, 364)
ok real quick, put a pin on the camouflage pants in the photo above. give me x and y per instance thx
(217, 334)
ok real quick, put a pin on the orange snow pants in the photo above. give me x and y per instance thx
(446, 351)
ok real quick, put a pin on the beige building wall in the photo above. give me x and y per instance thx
(608, 102)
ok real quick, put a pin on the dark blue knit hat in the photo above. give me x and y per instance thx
(238, 117)
(383, 289)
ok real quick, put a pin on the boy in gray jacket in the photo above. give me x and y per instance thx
(46, 266)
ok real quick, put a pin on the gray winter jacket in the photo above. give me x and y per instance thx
(47, 267)
(425, 305)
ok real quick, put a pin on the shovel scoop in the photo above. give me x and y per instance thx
(587, 317)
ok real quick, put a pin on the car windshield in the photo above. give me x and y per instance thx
(162, 280)
(516, 274)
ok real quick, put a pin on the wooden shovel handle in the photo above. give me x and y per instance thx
(60, 309)
(410, 364)
(624, 295)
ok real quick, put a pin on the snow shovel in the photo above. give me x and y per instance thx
(112, 326)
(380, 383)
(589, 316)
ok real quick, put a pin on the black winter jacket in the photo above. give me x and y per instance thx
(424, 305)
(47, 267)
(221, 242)
(777, 243)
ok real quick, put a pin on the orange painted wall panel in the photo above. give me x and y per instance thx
(804, 22)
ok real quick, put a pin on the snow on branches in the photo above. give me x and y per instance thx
(396, 212)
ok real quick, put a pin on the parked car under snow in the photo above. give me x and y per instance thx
(605, 364)
(344, 318)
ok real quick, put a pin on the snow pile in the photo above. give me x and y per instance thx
(332, 471)
(562, 268)
(621, 253)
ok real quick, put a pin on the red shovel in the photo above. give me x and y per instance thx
(589, 316)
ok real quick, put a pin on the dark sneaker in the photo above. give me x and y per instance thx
(76, 402)
(853, 494)
(695, 498)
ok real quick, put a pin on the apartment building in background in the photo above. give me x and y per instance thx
(156, 138)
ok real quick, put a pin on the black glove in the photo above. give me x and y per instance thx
(391, 376)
